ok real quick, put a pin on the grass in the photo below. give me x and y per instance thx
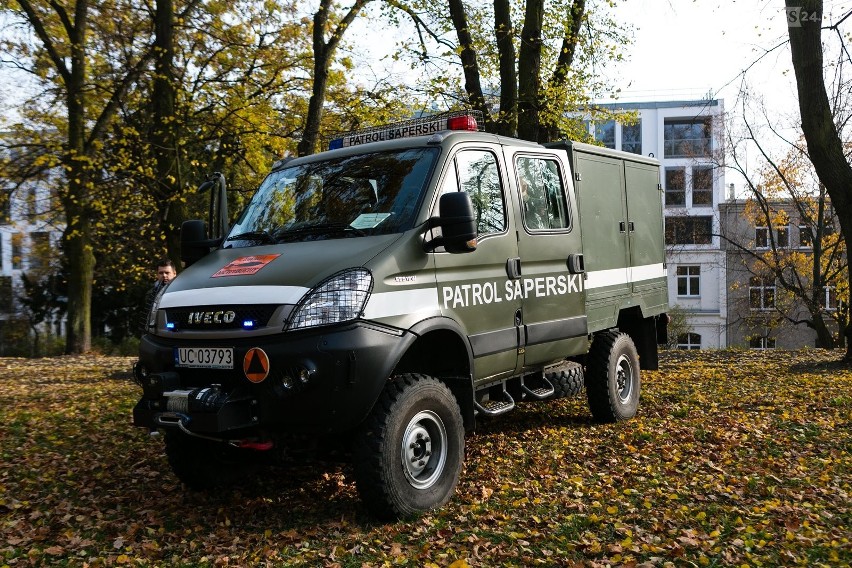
(735, 458)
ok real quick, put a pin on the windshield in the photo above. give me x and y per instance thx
(367, 194)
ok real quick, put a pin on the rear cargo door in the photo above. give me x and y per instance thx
(645, 225)
(603, 214)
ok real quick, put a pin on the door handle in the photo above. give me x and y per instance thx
(575, 264)
(513, 267)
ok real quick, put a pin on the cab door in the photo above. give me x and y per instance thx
(472, 286)
(550, 251)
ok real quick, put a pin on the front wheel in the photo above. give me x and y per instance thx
(612, 377)
(408, 455)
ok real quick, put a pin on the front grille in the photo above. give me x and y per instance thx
(219, 317)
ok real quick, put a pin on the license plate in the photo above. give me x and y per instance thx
(204, 357)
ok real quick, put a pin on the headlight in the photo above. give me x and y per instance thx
(339, 298)
(155, 305)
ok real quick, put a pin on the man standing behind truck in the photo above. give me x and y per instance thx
(165, 273)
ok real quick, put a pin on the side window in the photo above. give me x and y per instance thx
(542, 194)
(476, 172)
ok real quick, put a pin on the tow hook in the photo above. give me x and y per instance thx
(259, 445)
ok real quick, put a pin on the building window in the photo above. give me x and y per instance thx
(32, 203)
(6, 295)
(806, 238)
(5, 206)
(17, 251)
(675, 187)
(702, 186)
(686, 138)
(605, 133)
(783, 237)
(631, 138)
(688, 280)
(689, 341)
(761, 237)
(40, 252)
(695, 230)
(761, 293)
(828, 301)
(761, 342)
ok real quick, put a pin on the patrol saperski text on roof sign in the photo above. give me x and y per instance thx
(416, 129)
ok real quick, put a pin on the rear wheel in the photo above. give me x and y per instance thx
(408, 455)
(612, 377)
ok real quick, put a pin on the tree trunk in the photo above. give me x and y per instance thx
(310, 137)
(78, 233)
(824, 339)
(824, 145)
(81, 261)
(558, 81)
(506, 123)
(470, 65)
(169, 178)
(529, 71)
(323, 55)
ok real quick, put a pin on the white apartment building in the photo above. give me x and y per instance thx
(686, 137)
(29, 242)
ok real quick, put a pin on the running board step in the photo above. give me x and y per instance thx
(542, 392)
(496, 407)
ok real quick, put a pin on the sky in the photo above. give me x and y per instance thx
(683, 49)
(687, 49)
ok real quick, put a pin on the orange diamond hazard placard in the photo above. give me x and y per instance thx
(245, 265)
(256, 365)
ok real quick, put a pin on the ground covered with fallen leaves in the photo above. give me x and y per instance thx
(735, 458)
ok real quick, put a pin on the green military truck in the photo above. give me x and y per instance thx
(397, 288)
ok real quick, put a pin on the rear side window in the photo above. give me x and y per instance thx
(476, 172)
(542, 194)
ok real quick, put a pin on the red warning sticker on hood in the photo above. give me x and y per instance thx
(246, 265)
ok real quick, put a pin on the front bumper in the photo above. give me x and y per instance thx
(319, 381)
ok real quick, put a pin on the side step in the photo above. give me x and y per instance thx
(542, 392)
(496, 407)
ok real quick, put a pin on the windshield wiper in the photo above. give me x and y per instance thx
(321, 229)
(257, 236)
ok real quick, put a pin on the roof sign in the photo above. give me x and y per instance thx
(465, 120)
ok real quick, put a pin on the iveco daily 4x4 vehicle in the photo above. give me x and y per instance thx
(397, 288)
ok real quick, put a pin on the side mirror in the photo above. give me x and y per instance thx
(194, 243)
(457, 222)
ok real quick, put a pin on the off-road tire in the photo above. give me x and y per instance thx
(566, 382)
(204, 464)
(613, 381)
(414, 414)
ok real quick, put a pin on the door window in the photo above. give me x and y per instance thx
(476, 172)
(542, 195)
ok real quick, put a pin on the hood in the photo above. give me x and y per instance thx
(270, 274)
